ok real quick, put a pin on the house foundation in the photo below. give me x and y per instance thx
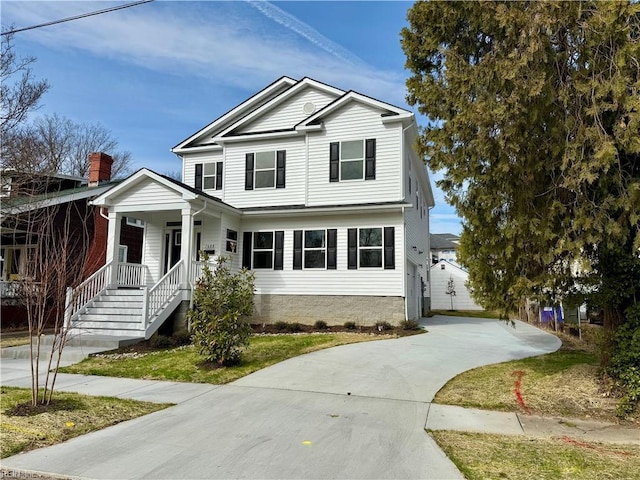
(333, 309)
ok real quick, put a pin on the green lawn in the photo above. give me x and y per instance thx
(484, 456)
(70, 415)
(563, 383)
(183, 364)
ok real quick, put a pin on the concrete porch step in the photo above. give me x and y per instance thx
(109, 325)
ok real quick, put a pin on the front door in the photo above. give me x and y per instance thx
(172, 245)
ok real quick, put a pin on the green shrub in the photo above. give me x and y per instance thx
(294, 327)
(624, 364)
(161, 341)
(409, 325)
(320, 325)
(383, 326)
(281, 326)
(349, 325)
(223, 306)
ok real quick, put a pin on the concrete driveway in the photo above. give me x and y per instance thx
(356, 411)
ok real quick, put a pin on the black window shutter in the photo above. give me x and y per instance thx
(332, 241)
(219, 176)
(280, 168)
(198, 181)
(352, 248)
(389, 248)
(297, 249)
(278, 257)
(370, 159)
(248, 174)
(334, 161)
(247, 239)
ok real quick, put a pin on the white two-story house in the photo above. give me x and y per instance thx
(317, 190)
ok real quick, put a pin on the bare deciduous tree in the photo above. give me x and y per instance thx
(55, 241)
(54, 143)
(19, 91)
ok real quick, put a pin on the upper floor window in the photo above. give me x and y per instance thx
(352, 160)
(208, 176)
(265, 169)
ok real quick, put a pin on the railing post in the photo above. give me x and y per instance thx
(67, 308)
(145, 307)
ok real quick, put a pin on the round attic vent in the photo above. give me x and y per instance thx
(309, 108)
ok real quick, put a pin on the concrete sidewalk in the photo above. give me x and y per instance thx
(356, 411)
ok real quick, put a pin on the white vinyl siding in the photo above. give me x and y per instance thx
(356, 121)
(289, 113)
(341, 281)
(189, 170)
(148, 192)
(439, 282)
(235, 163)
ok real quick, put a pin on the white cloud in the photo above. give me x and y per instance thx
(228, 42)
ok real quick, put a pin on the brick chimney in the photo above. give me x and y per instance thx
(99, 168)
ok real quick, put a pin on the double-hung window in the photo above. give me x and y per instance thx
(371, 247)
(265, 169)
(263, 250)
(315, 249)
(352, 160)
(208, 176)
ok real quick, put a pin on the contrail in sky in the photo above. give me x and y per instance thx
(292, 23)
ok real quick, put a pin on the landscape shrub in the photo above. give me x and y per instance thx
(409, 325)
(320, 325)
(281, 326)
(349, 325)
(383, 326)
(223, 306)
(624, 364)
(294, 327)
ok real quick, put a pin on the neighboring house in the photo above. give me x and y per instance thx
(29, 199)
(444, 246)
(446, 278)
(317, 190)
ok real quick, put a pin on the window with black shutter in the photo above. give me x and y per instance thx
(219, 176)
(334, 162)
(332, 244)
(297, 249)
(248, 175)
(352, 248)
(247, 241)
(278, 260)
(389, 248)
(370, 159)
(198, 177)
(280, 168)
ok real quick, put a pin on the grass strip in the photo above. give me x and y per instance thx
(481, 456)
(564, 383)
(183, 364)
(69, 415)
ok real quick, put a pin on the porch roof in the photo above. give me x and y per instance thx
(186, 192)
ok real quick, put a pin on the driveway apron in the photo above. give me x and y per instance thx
(355, 411)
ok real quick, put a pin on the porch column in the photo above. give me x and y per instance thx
(113, 243)
(185, 247)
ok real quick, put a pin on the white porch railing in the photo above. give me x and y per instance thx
(10, 289)
(163, 291)
(79, 297)
(196, 268)
(132, 275)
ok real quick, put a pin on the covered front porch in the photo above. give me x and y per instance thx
(178, 223)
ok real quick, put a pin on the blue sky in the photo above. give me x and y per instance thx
(156, 73)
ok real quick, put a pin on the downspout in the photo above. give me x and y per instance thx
(404, 220)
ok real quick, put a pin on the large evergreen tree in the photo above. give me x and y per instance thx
(534, 116)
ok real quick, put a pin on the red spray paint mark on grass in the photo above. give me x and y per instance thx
(518, 390)
(577, 443)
